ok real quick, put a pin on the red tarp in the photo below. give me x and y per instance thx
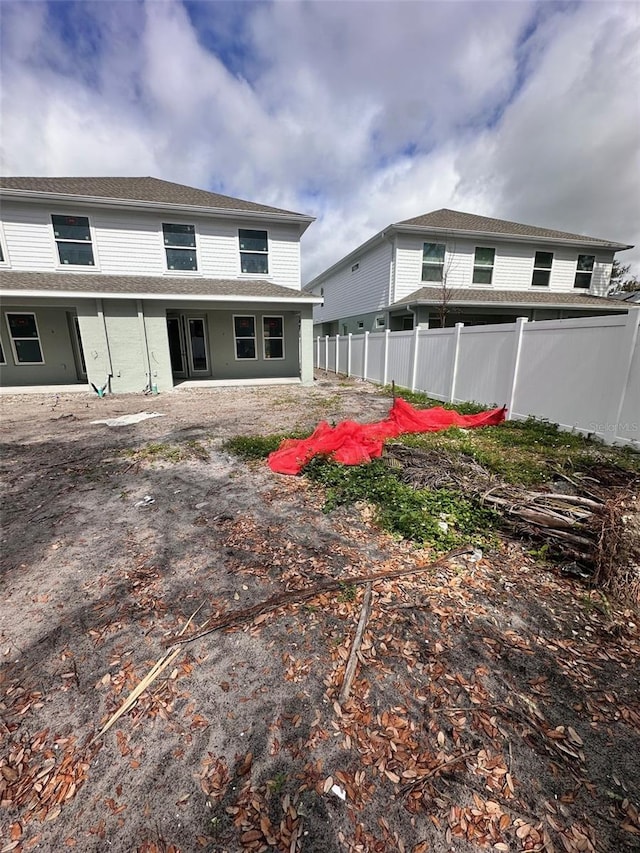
(352, 443)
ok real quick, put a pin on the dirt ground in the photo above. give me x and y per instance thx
(496, 706)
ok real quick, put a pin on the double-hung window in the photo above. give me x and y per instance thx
(432, 261)
(180, 246)
(542, 269)
(25, 338)
(584, 271)
(244, 332)
(483, 265)
(273, 337)
(254, 251)
(73, 239)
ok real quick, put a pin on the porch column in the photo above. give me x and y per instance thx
(306, 345)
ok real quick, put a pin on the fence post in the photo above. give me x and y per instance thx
(628, 342)
(366, 356)
(326, 353)
(318, 352)
(454, 364)
(386, 356)
(349, 354)
(519, 331)
(414, 369)
(337, 353)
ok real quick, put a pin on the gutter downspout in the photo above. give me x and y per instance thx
(100, 307)
(143, 326)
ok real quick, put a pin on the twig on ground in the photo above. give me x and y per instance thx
(350, 670)
(298, 596)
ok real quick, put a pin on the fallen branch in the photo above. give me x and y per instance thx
(150, 677)
(350, 670)
(299, 596)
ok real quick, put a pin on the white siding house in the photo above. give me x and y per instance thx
(464, 268)
(138, 283)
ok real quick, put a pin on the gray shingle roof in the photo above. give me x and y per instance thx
(461, 296)
(137, 189)
(145, 284)
(456, 220)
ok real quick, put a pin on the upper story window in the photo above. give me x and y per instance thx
(73, 239)
(483, 265)
(584, 271)
(355, 267)
(254, 251)
(180, 246)
(432, 261)
(542, 269)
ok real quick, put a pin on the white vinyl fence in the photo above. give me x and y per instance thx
(582, 374)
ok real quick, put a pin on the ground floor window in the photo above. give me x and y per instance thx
(244, 330)
(273, 337)
(25, 338)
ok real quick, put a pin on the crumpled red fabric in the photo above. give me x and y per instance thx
(352, 443)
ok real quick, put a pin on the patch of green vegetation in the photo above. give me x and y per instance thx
(528, 452)
(157, 451)
(278, 782)
(256, 446)
(417, 398)
(347, 592)
(442, 518)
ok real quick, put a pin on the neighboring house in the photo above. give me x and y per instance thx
(139, 283)
(472, 269)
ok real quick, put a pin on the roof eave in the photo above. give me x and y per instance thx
(518, 238)
(103, 201)
(190, 297)
(475, 303)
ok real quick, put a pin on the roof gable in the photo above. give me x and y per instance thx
(456, 220)
(148, 189)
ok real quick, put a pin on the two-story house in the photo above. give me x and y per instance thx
(139, 283)
(464, 269)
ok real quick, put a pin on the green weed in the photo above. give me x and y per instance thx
(256, 446)
(442, 518)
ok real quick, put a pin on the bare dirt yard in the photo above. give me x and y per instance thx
(496, 705)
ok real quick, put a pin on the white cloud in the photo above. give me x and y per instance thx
(359, 113)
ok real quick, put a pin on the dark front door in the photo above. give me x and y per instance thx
(188, 346)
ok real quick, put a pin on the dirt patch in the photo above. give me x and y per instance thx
(495, 707)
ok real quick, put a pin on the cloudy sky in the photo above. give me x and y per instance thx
(358, 113)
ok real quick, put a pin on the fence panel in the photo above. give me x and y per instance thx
(566, 368)
(485, 364)
(375, 358)
(400, 363)
(357, 355)
(435, 361)
(628, 424)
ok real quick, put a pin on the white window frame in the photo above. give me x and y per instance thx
(584, 272)
(4, 262)
(3, 358)
(253, 337)
(242, 252)
(483, 266)
(12, 340)
(431, 265)
(91, 242)
(548, 270)
(380, 323)
(195, 249)
(274, 338)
